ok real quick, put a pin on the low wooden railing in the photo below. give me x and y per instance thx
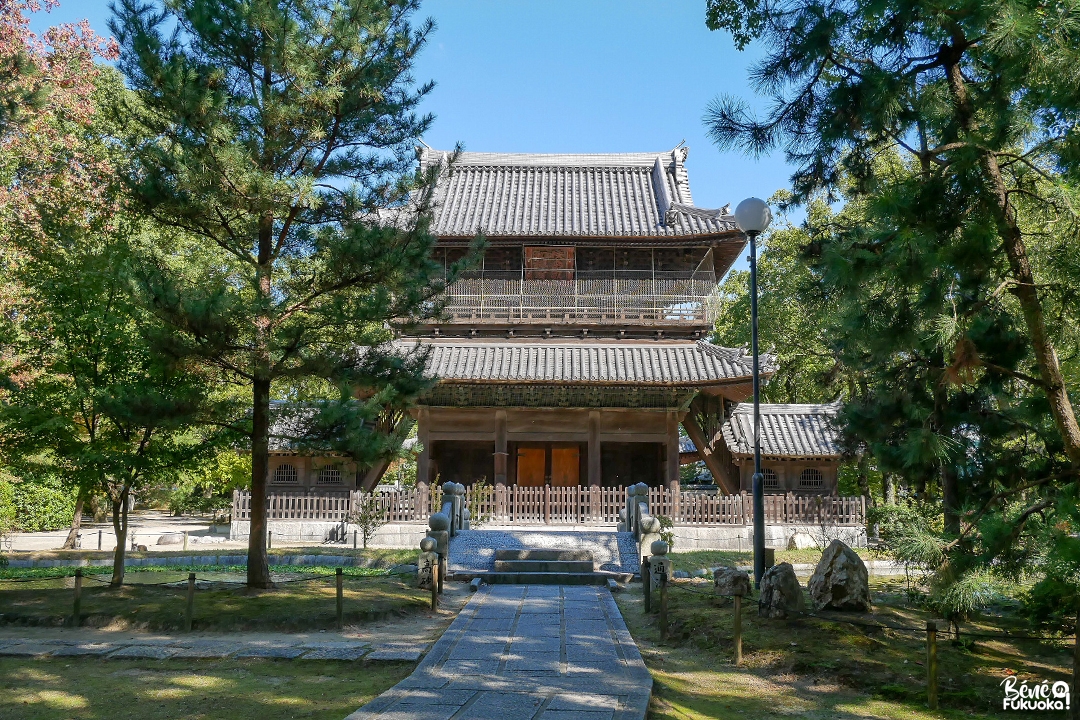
(547, 505)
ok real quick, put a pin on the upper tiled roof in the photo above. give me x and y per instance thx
(536, 195)
(622, 362)
(786, 431)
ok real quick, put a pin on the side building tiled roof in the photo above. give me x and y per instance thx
(620, 195)
(791, 431)
(601, 362)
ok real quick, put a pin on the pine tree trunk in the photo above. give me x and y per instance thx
(864, 480)
(950, 499)
(120, 529)
(76, 523)
(1024, 288)
(258, 573)
(888, 488)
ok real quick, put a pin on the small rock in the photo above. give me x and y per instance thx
(702, 573)
(729, 581)
(780, 592)
(840, 581)
(171, 539)
(681, 574)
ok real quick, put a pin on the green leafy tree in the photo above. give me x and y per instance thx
(794, 317)
(950, 134)
(281, 147)
(87, 399)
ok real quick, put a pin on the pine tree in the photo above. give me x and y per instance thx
(282, 153)
(949, 132)
(980, 97)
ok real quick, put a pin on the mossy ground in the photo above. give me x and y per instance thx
(218, 607)
(87, 689)
(826, 668)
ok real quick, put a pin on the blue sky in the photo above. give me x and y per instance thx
(584, 76)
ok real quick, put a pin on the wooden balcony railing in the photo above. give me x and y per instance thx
(548, 505)
(672, 299)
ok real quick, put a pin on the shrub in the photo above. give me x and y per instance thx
(42, 505)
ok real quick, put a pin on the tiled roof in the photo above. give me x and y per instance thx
(786, 430)
(621, 362)
(537, 195)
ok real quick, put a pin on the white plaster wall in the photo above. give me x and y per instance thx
(781, 537)
(391, 535)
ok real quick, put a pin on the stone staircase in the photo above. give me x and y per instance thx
(540, 557)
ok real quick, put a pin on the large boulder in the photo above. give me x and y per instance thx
(840, 581)
(781, 592)
(729, 581)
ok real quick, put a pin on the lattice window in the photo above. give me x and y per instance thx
(811, 479)
(772, 480)
(285, 474)
(330, 475)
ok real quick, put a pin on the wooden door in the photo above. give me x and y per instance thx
(565, 464)
(530, 466)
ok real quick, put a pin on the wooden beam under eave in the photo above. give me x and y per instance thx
(724, 479)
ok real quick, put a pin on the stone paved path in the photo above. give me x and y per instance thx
(517, 652)
(162, 648)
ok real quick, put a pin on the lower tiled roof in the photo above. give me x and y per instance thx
(794, 431)
(621, 362)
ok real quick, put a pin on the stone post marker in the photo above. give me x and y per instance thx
(659, 566)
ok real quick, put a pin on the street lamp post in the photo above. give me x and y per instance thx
(753, 217)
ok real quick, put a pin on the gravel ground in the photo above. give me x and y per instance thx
(474, 550)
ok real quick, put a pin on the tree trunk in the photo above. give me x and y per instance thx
(950, 499)
(1024, 289)
(888, 489)
(76, 523)
(864, 480)
(258, 572)
(120, 528)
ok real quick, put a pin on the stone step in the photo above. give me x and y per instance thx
(542, 554)
(564, 566)
(542, 578)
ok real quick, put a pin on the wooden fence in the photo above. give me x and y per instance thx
(548, 505)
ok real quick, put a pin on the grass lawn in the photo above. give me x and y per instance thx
(84, 688)
(372, 557)
(292, 606)
(826, 669)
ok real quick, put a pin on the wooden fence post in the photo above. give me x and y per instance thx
(189, 615)
(76, 606)
(646, 582)
(185, 539)
(931, 665)
(99, 539)
(738, 630)
(340, 601)
(269, 539)
(663, 606)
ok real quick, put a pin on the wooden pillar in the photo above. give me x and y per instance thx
(671, 478)
(501, 454)
(595, 478)
(594, 469)
(671, 474)
(423, 460)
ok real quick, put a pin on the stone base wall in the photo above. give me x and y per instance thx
(781, 537)
(391, 535)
